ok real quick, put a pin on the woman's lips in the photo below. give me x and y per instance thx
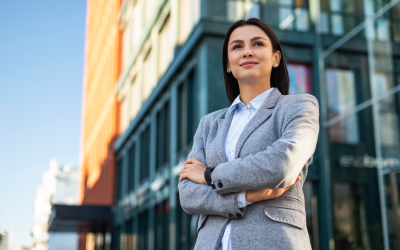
(248, 65)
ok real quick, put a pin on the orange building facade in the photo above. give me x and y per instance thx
(99, 128)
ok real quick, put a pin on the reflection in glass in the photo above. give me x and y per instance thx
(392, 190)
(293, 15)
(241, 9)
(300, 78)
(335, 5)
(324, 22)
(310, 199)
(286, 18)
(286, 2)
(388, 110)
(395, 14)
(301, 19)
(341, 96)
(352, 218)
(337, 24)
(383, 29)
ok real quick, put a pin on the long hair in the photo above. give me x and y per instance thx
(279, 75)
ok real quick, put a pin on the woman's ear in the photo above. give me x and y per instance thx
(277, 57)
(228, 67)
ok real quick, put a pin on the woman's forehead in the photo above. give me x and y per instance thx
(247, 32)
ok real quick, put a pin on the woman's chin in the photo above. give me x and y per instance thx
(250, 78)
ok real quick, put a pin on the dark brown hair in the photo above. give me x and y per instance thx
(279, 75)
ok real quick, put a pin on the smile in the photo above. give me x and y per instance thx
(248, 64)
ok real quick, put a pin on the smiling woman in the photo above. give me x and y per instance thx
(255, 38)
(248, 163)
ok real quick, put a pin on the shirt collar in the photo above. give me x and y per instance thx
(255, 103)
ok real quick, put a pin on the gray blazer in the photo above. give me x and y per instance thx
(274, 148)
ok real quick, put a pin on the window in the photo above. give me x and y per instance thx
(145, 154)
(293, 15)
(127, 37)
(143, 230)
(187, 114)
(242, 10)
(161, 225)
(186, 228)
(131, 168)
(119, 178)
(395, 13)
(340, 84)
(339, 17)
(136, 98)
(163, 136)
(149, 11)
(149, 75)
(300, 78)
(166, 50)
(137, 25)
(190, 12)
(124, 114)
(129, 236)
(117, 236)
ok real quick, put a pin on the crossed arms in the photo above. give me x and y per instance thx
(276, 167)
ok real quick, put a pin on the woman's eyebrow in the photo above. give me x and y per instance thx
(251, 40)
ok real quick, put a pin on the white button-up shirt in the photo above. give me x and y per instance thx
(243, 114)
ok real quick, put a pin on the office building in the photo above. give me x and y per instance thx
(60, 186)
(346, 53)
(4, 236)
(159, 65)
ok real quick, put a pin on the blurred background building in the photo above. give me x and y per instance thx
(4, 238)
(153, 69)
(60, 185)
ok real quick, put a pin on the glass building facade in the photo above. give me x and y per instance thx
(344, 52)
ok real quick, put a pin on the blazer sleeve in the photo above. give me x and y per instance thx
(202, 199)
(280, 164)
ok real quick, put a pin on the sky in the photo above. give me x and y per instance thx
(41, 70)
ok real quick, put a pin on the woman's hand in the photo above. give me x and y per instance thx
(267, 194)
(194, 171)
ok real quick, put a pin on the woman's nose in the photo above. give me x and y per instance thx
(248, 53)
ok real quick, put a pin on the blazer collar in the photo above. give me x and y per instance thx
(259, 117)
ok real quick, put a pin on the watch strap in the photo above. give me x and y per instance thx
(207, 175)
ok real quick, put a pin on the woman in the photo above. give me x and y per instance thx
(247, 159)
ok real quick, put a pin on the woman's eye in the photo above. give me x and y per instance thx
(235, 47)
(259, 43)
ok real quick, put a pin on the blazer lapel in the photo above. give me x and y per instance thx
(223, 127)
(262, 114)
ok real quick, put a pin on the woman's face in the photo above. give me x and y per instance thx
(250, 54)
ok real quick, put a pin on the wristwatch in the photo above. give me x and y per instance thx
(207, 175)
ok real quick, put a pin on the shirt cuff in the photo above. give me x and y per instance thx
(241, 200)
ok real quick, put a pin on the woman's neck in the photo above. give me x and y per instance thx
(250, 90)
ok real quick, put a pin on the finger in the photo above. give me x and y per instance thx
(184, 171)
(189, 161)
(184, 168)
(297, 180)
(182, 176)
(187, 166)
